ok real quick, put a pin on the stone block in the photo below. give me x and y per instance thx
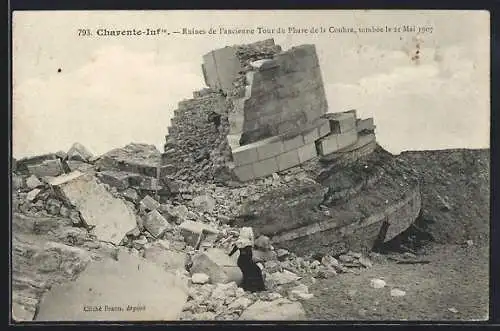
(151, 293)
(97, 206)
(324, 129)
(293, 143)
(220, 267)
(347, 122)
(51, 168)
(288, 160)
(311, 136)
(156, 224)
(149, 203)
(265, 167)
(327, 145)
(347, 139)
(33, 182)
(244, 173)
(270, 149)
(117, 179)
(191, 231)
(365, 124)
(307, 152)
(245, 155)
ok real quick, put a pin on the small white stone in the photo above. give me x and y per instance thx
(200, 278)
(397, 293)
(377, 283)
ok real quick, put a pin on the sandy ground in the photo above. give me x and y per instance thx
(454, 286)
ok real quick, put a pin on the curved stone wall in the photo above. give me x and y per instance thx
(317, 237)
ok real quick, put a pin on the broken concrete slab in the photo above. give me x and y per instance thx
(278, 310)
(129, 289)
(191, 231)
(111, 216)
(219, 266)
(33, 182)
(78, 152)
(156, 224)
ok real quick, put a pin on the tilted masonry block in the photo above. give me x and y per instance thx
(365, 124)
(244, 173)
(324, 129)
(307, 152)
(288, 160)
(293, 143)
(245, 155)
(311, 137)
(270, 149)
(347, 123)
(265, 167)
(347, 139)
(327, 145)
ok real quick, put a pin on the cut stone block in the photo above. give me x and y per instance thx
(265, 167)
(311, 136)
(327, 145)
(293, 143)
(347, 123)
(324, 129)
(111, 216)
(271, 149)
(117, 179)
(156, 224)
(365, 124)
(51, 168)
(130, 289)
(33, 182)
(149, 203)
(79, 152)
(245, 155)
(307, 152)
(191, 231)
(220, 267)
(347, 139)
(244, 173)
(288, 160)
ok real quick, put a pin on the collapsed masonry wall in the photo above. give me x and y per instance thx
(339, 133)
(196, 143)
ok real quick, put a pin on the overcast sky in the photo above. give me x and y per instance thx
(111, 91)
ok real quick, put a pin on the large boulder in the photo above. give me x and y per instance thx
(278, 310)
(130, 289)
(220, 267)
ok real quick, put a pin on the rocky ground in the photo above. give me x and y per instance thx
(186, 238)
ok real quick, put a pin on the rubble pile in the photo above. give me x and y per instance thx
(190, 236)
(196, 144)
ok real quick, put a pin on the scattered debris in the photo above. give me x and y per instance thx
(377, 283)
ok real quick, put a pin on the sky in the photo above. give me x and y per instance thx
(108, 91)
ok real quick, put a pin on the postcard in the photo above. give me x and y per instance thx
(285, 165)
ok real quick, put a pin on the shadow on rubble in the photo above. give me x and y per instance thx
(413, 240)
